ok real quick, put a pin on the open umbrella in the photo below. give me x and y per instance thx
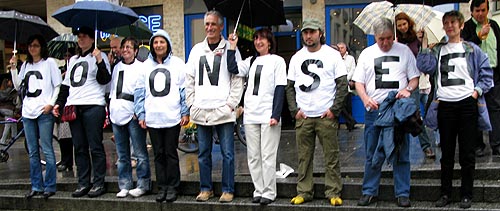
(138, 29)
(428, 2)
(419, 13)
(99, 15)
(60, 45)
(250, 12)
(17, 27)
(434, 29)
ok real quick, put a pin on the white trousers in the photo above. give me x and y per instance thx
(262, 149)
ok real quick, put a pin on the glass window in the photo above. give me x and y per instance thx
(342, 29)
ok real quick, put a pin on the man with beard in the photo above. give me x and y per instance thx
(316, 90)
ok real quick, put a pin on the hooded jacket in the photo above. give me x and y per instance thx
(159, 117)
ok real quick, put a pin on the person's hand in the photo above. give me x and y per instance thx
(13, 62)
(404, 93)
(142, 123)
(111, 56)
(55, 110)
(47, 109)
(184, 120)
(484, 31)
(328, 114)
(273, 122)
(475, 95)
(233, 40)
(97, 54)
(371, 104)
(300, 115)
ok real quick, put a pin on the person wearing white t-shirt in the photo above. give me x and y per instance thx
(160, 107)
(316, 90)
(83, 87)
(350, 64)
(126, 129)
(42, 79)
(263, 102)
(382, 68)
(462, 76)
(213, 91)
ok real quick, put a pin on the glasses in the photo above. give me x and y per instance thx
(34, 46)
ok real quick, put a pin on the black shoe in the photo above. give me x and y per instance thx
(63, 167)
(96, 191)
(265, 201)
(443, 201)
(366, 200)
(81, 191)
(161, 196)
(46, 195)
(256, 199)
(479, 152)
(171, 196)
(465, 203)
(495, 151)
(403, 201)
(32, 193)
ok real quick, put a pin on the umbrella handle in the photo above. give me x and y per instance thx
(238, 20)
(15, 40)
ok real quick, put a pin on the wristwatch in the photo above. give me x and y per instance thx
(409, 88)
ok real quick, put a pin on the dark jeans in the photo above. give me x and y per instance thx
(493, 103)
(165, 141)
(458, 119)
(86, 131)
(66, 146)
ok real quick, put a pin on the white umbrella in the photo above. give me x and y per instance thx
(434, 29)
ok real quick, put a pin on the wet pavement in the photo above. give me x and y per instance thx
(351, 146)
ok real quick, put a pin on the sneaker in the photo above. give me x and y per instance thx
(443, 201)
(122, 194)
(137, 192)
(298, 200)
(96, 191)
(465, 203)
(366, 200)
(403, 201)
(226, 197)
(204, 195)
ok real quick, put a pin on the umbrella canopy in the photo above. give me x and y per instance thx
(60, 45)
(434, 29)
(17, 27)
(422, 15)
(428, 2)
(250, 12)
(138, 29)
(99, 15)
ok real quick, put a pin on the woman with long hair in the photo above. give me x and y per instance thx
(42, 79)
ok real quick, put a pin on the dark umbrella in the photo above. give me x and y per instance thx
(60, 45)
(250, 12)
(17, 27)
(138, 29)
(427, 2)
(99, 15)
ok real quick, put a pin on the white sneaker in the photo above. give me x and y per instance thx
(137, 192)
(122, 194)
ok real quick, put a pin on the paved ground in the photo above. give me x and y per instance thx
(351, 144)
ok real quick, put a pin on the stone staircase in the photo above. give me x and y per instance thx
(424, 191)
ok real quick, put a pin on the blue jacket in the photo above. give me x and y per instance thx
(392, 112)
(479, 70)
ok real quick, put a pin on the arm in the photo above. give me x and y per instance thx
(291, 98)
(236, 90)
(427, 61)
(278, 98)
(368, 102)
(103, 75)
(340, 95)
(469, 32)
(485, 74)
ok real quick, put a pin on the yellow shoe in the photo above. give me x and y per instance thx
(336, 201)
(297, 200)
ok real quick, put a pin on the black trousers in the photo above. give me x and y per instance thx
(458, 119)
(165, 141)
(493, 104)
(66, 145)
(346, 112)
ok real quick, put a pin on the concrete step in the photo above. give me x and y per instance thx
(421, 189)
(14, 200)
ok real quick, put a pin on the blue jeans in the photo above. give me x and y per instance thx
(86, 131)
(401, 164)
(226, 136)
(123, 133)
(423, 137)
(41, 127)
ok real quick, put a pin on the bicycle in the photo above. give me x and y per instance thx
(188, 139)
(4, 155)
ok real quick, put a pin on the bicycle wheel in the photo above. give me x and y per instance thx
(240, 130)
(42, 156)
(188, 142)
